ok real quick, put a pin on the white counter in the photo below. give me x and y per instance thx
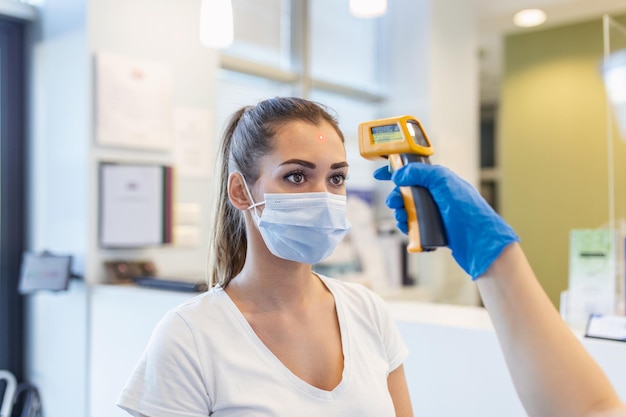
(455, 367)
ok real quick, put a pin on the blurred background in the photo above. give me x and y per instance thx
(518, 109)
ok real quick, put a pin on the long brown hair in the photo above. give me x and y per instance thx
(248, 137)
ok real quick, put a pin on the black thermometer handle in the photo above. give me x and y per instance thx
(431, 229)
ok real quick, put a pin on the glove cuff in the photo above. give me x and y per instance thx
(478, 268)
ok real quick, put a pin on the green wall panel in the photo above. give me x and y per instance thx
(553, 144)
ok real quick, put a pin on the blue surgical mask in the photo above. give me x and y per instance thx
(302, 227)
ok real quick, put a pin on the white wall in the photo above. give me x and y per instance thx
(59, 130)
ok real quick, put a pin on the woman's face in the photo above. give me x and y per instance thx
(306, 158)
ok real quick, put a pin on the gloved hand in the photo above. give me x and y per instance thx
(477, 235)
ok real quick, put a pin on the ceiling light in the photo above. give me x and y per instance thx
(529, 17)
(368, 8)
(216, 23)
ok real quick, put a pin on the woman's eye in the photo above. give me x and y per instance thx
(296, 177)
(338, 179)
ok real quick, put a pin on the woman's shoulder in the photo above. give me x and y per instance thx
(208, 320)
(209, 304)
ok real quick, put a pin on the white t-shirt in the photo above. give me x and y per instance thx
(204, 359)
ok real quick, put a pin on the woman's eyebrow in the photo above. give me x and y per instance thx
(311, 165)
(304, 163)
(339, 165)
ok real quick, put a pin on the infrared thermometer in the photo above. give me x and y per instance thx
(402, 140)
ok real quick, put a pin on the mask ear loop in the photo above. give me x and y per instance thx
(253, 205)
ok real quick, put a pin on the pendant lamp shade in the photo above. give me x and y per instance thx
(216, 23)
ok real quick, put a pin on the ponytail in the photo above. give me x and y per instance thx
(228, 245)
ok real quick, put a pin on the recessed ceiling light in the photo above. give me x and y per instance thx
(529, 17)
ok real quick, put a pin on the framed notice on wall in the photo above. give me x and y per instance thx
(135, 205)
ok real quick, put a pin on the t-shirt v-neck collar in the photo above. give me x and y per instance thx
(293, 379)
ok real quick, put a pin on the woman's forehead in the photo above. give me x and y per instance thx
(311, 140)
(300, 131)
(305, 141)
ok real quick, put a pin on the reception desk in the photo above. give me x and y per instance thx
(455, 367)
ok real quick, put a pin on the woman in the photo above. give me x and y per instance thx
(272, 338)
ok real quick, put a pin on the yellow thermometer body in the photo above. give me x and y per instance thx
(402, 140)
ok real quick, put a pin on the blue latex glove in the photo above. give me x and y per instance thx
(477, 235)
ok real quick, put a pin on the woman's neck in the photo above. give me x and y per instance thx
(272, 283)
